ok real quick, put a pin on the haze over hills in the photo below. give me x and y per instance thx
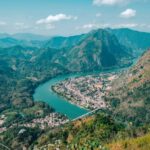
(135, 40)
(24, 36)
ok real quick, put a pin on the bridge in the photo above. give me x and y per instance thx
(87, 114)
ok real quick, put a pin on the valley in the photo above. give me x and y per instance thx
(128, 119)
(47, 83)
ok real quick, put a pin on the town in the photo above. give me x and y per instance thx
(51, 120)
(86, 91)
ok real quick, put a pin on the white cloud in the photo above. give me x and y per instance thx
(128, 13)
(107, 2)
(93, 26)
(2, 23)
(98, 15)
(55, 18)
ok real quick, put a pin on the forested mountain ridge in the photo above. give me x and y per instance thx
(97, 51)
(135, 40)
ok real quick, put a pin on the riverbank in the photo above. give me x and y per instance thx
(86, 91)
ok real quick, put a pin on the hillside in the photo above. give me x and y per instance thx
(130, 97)
(97, 132)
(140, 143)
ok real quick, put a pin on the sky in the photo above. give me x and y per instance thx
(71, 17)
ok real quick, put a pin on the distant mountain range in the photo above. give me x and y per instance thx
(97, 50)
(25, 36)
(135, 40)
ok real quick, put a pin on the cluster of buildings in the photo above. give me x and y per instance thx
(51, 120)
(86, 91)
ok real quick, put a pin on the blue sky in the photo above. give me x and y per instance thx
(69, 17)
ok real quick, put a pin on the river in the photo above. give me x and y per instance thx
(44, 93)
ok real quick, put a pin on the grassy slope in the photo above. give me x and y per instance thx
(140, 143)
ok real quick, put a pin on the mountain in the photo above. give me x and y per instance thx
(25, 36)
(22, 39)
(10, 42)
(136, 40)
(98, 50)
(91, 52)
(130, 98)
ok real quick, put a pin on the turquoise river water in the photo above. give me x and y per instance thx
(44, 93)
